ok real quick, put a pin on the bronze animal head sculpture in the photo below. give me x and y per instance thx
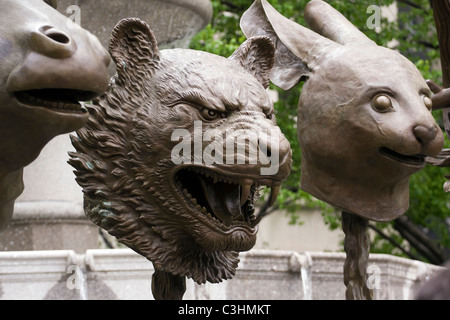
(364, 115)
(47, 65)
(159, 159)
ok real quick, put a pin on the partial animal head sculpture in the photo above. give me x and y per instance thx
(159, 159)
(364, 116)
(47, 65)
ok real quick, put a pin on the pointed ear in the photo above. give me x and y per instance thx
(133, 48)
(256, 55)
(296, 46)
(330, 23)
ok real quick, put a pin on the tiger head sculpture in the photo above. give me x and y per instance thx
(176, 151)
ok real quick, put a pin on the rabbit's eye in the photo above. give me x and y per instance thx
(382, 103)
(428, 102)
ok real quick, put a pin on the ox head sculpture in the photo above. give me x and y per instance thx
(364, 116)
(47, 64)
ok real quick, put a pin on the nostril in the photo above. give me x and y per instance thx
(52, 42)
(55, 35)
(59, 37)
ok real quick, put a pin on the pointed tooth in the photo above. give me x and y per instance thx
(255, 222)
(275, 189)
(193, 201)
(245, 187)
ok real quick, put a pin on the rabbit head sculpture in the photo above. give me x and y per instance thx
(364, 115)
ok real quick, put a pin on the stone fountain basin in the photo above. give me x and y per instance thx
(262, 275)
(173, 22)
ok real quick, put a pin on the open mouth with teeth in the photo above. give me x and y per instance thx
(59, 100)
(225, 201)
(417, 160)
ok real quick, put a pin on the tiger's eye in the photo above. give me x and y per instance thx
(209, 114)
(382, 103)
(428, 102)
(212, 114)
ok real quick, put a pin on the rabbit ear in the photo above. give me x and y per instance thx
(330, 23)
(296, 46)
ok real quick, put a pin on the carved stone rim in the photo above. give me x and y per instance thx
(48, 210)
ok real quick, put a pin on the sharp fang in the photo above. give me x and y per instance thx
(245, 187)
(275, 189)
(255, 222)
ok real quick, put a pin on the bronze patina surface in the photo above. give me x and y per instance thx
(47, 65)
(364, 115)
(190, 218)
(364, 120)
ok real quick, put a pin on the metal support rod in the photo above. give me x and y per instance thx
(357, 247)
(166, 286)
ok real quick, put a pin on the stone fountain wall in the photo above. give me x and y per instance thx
(121, 274)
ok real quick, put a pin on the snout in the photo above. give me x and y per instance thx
(430, 138)
(260, 145)
(62, 58)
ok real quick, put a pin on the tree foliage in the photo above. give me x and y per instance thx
(414, 35)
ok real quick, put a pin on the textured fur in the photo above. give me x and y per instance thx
(123, 154)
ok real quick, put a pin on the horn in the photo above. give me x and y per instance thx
(330, 23)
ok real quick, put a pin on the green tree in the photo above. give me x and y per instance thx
(422, 233)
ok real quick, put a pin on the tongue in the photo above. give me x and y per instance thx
(224, 200)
